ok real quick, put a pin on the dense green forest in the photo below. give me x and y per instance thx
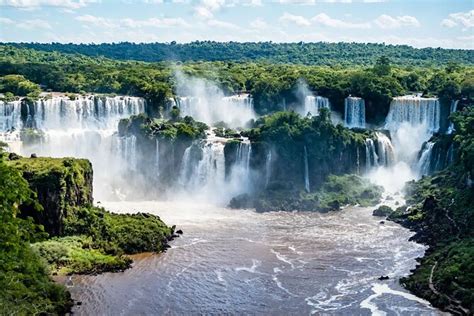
(297, 53)
(273, 86)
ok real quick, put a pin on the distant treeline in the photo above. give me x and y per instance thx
(274, 86)
(295, 53)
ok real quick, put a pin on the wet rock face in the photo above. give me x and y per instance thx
(60, 185)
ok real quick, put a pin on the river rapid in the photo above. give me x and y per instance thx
(243, 262)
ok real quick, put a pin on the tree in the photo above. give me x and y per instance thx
(382, 66)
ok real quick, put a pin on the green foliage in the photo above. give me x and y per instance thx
(118, 233)
(442, 215)
(18, 85)
(300, 53)
(26, 286)
(75, 254)
(273, 86)
(348, 190)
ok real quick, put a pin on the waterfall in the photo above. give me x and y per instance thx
(10, 121)
(186, 165)
(354, 112)
(268, 167)
(84, 128)
(306, 171)
(371, 159)
(453, 108)
(424, 163)
(209, 108)
(416, 111)
(312, 105)
(157, 157)
(385, 151)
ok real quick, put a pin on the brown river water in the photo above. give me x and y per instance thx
(243, 262)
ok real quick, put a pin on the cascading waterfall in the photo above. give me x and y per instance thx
(453, 108)
(313, 104)
(10, 121)
(157, 158)
(354, 112)
(306, 171)
(234, 110)
(83, 128)
(206, 177)
(414, 110)
(385, 151)
(424, 163)
(268, 167)
(371, 159)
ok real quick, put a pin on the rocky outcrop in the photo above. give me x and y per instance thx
(60, 185)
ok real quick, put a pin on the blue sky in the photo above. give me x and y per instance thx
(448, 23)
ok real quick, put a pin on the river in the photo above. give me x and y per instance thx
(239, 261)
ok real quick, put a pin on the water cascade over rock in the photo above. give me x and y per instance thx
(453, 108)
(306, 170)
(414, 110)
(424, 162)
(234, 110)
(10, 121)
(354, 112)
(82, 127)
(313, 104)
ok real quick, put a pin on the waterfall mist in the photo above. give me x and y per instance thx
(411, 121)
(83, 128)
(308, 103)
(206, 102)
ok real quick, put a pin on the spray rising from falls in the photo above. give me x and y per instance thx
(206, 102)
(411, 122)
(313, 104)
(354, 112)
(81, 128)
(414, 110)
(203, 173)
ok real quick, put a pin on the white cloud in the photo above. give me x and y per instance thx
(465, 19)
(258, 24)
(295, 19)
(448, 23)
(27, 24)
(33, 4)
(222, 24)
(388, 22)
(128, 23)
(326, 20)
(6, 21)
(34, 24)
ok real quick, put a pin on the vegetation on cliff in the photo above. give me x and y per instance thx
(329, 148)
(26, 286)
(440, 212)
(47, 195)
(336, 192)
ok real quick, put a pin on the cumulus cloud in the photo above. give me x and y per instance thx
(294, 19)
(325, 20)
(131, 23)
(388, 22)
(258, 24)
(26, 24)
(464, 19)
(33, 4)
(222, 24)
